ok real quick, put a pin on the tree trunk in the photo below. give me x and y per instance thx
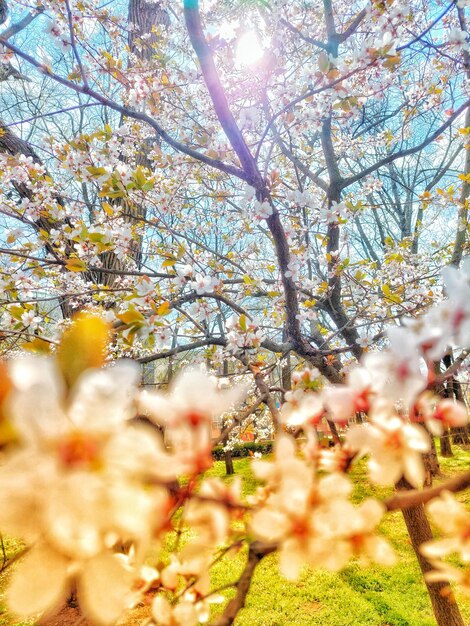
(446, 610)
(431, 462)
(145, 17)
(229, 470)
(444, 444)
(286, 379)
(460, 435)
(15, 146)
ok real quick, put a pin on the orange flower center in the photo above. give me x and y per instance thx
(393, 441)
(361, 401)
(195, 419)
(300, 528)
(78, 449)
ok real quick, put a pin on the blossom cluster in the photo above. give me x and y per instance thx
(90, 475)
(89, 488)
(243, 334)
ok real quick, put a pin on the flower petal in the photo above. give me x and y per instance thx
(39, 583)
(291, 559)
(104, 589)
(103, 398)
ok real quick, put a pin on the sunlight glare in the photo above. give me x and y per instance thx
(249, 49)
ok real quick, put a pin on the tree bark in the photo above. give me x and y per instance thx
(143, 18)
(444, 444)
(15, 146)
(460, 435)
(431, 462)
(229, 469)
(445, 609)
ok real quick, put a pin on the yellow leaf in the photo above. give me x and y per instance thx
(139, 177)
(83, 345)
(107, 208)
(131, 316)
(390, 295)
(392, 62)
(16, 311)
(164, 308)
(38, 345)
(73, 264)
(97, 171)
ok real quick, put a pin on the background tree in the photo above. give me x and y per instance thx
(285, 208)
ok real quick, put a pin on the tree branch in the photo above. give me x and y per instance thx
(346, 182)
(256, 553)
(296, 31)
(408, 499)
(127, 112)
(217, 93)
(353, 26)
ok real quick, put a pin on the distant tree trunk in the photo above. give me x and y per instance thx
(431, 462)
(446, 610)
(444, 444)
(15, 146)
(460, 434)
(286, 380)
(445, 392)
(229, 470)
(169, 371)
(144, 18)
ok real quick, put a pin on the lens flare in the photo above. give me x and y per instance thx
(249, 49)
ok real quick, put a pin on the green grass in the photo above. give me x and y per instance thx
(376, 596)
(10, 548)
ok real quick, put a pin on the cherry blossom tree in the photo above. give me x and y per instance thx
(264, 189)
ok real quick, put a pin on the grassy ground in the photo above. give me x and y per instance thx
(394, 596)
(377, 596)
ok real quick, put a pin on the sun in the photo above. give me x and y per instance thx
(249, 50)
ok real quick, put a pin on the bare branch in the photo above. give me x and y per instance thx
(217, 93)
(296, 31)
(256, 553)
(346, 182)
(353, 26)
(408, 499)
(13, 29)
